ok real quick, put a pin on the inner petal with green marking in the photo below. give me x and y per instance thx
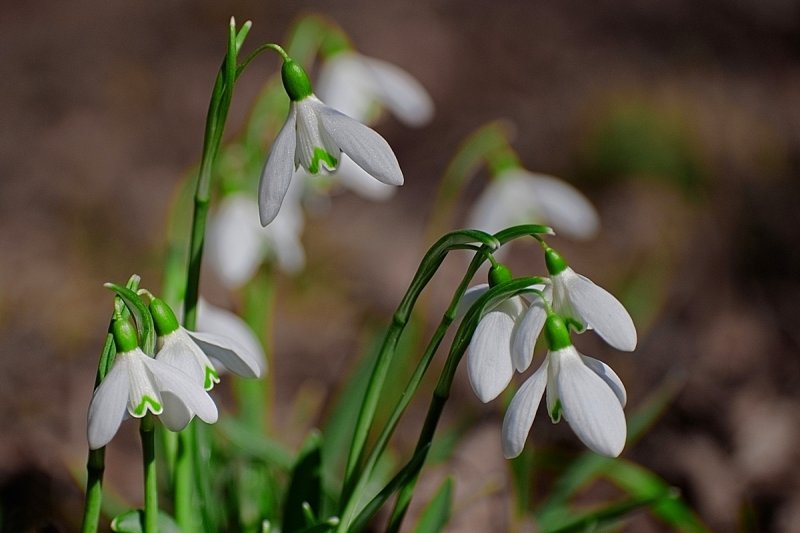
(211, 377)
(146, 400)
(321, 155)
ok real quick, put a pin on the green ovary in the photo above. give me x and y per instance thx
(146, 400)
(321, 155)
(211, 377)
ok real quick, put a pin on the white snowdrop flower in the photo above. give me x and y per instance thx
(578, 298)
(237, 244)
(356, 85)
(192, 351)
(213, 319)
(314, 137)
(490, 359)
(517, 196)
(585, 391)
(137, 384)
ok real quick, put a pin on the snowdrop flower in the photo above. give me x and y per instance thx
(517, 196)
(356, 84)
(213, 319)
(192, 351)
(143, 384)
(585, 391)
(581, 301)
(490, 360)
(237, 244)
(314, 137)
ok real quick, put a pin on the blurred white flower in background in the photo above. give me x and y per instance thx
(517, 196)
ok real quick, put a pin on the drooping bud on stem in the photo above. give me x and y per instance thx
(555, 263)
(499, 273)
(163, 317)
(556, 333)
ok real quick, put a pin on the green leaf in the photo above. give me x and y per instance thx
(640, 482)
(254, 444)
(437, 513)
(305, 486)
(133, 522)
(592, 520)
(141, 315)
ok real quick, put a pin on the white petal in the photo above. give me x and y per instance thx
(177, 351)
(235, 240)
(311, 138)
(278, 170)
(599, 309)
(230, 353)
(519, 416)
(108, 406)
(178, 389)
(363, 145)
(405, 97)
(213, 319)
(589, 405)
(496, 207)
(564, 207)
(609, 376)
(526, 331)
(471, 296)
(489, 354)
(359, 181)
(144, 392)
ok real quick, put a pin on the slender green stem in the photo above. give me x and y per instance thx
(410, 390)
(253, 395)
(428, 267)
(215, 124)
(95, 467)
(147, 433)
(183, 485)
(442, 391)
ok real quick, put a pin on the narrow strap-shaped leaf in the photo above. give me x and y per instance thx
(305, 486)
(437, 513)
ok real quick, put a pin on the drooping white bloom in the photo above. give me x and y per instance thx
(237, 244)
(587, 392)
(219, 321)
(145, 384)
(578, 298)
(492, 356)
(314, 137)
(517, 196)
(192, 351)
(356, 85)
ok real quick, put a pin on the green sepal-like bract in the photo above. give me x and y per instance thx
(164, 318)
(141, 315)
(499, 273)
(295, 80)
(555, 263)
(124, 336)
(556, 333)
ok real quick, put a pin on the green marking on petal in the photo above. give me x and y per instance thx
(211, 377)
(321, 155)
(141, 409)
(555, 414)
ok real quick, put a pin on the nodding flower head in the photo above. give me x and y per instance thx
(314, 137)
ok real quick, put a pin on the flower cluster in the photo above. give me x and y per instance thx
(587, 392)
(173, 384)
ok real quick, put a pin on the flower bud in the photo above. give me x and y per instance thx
(556, 333)
(295, 80)
(163, 317)
(125, 337)
(498, 274)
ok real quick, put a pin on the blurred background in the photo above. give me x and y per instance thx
(680, 121)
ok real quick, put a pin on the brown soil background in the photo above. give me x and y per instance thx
(102, 111)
